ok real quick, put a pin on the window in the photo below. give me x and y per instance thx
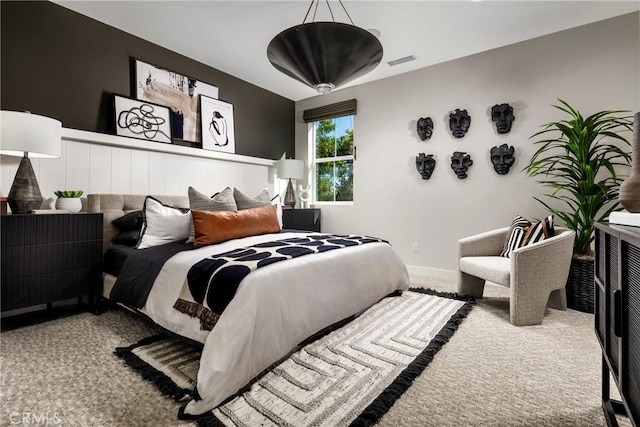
(333, 159)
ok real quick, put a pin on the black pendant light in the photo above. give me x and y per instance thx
(325, 55)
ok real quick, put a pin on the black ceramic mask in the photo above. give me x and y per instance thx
(502, 114)
(460, 163)
(425, 128)
(425, 165)
(459, 122)
(502, 158)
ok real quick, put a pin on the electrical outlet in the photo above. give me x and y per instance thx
(416, 247)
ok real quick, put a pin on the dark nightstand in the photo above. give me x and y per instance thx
(301, 219)
(49, 257)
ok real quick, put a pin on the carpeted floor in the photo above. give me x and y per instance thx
(490, 374)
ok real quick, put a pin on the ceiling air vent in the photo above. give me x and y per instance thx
(402, 60)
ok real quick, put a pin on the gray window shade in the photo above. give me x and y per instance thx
(339, 109)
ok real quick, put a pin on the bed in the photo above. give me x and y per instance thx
(274, 309)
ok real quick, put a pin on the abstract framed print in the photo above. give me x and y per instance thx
(176, 91)
(217, 125)
(141, 119)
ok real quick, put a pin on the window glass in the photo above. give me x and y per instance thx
(333, 141)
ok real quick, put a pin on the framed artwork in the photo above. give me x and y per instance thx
(217, 125)
(141, 119)
(176, 91)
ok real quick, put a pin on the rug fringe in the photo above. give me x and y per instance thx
(381, 405)
(162, 382)
(450, 295)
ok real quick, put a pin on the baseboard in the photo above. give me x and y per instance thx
(418, 272)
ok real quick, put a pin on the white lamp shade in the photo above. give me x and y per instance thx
(39, 136)
(290, 168)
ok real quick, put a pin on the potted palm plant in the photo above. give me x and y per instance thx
(578, 160)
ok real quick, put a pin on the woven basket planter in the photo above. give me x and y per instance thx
(580, 285)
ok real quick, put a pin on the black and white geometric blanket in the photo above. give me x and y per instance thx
(212, 282)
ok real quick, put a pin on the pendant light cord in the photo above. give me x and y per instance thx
(315, 11)
(345, 11)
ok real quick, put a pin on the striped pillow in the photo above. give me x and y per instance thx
(539, 231)
(515, 236)
(524, 233)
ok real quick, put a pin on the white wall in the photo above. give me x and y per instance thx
(98, 163)
(593, 67)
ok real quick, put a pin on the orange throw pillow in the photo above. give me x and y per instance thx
(220, 226)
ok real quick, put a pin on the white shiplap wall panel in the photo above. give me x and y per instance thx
(121, 170)
(98, 163)
(173, 185)
(201, 176)
(157, 174)
(187, 173)
(139, 172)
(77, 158)
(9, 169)
(99, 169)
(51, 174)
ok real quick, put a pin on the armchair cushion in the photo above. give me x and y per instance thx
(492, 268)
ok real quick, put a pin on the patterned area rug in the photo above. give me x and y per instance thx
(350, 376)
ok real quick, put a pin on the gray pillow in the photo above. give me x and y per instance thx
(245, 202)
(222, 201)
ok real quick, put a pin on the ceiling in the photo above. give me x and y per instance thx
(232, 36)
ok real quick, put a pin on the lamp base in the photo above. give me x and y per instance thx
(24, 195)
(290, 197)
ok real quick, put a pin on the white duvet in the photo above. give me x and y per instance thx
(275, 308)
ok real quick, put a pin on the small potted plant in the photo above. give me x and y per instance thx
(69, 200)
(579, 160)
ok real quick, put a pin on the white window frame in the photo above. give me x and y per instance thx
(313, 161)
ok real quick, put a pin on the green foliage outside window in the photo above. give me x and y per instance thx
(334, 177)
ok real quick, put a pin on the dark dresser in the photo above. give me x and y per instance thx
(617, 317)
(49, 257)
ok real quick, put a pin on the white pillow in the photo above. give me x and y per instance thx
(162, 224)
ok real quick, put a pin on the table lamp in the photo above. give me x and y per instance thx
(25, 134)
(290, 169)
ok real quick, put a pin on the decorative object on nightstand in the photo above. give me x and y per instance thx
(302, 219)
(325, 55)
(69, 200)
(48, 258)
(630, 188)
(25, 134)
(290, 169)
(304, 193)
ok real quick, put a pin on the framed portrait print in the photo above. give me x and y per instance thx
(176, 91)
(141, 119)
(217, 125)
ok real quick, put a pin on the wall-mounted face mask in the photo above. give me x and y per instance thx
(425, 165)
(502, 114)
(460, 163)
(502, 158)
(425, 128)
(459, 122)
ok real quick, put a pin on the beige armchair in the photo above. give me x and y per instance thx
(536, 274)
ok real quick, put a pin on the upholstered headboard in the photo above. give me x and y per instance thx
(113, 206)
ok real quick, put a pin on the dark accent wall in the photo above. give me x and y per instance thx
(62, 64)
